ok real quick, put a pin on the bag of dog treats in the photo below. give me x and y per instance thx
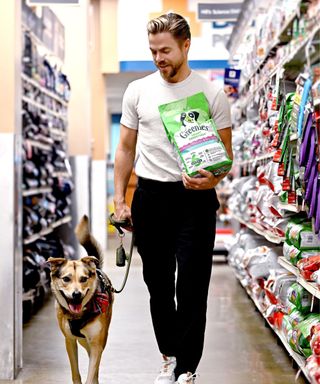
(194, 135)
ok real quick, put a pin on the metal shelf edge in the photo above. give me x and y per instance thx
(48, 230)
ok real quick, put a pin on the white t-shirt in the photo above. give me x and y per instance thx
(156, 157)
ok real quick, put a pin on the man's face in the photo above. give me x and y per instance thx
(168, 54)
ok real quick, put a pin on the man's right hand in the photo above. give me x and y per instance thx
(123, 212)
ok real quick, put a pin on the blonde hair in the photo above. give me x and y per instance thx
(172, 23)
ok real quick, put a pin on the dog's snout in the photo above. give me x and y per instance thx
(76, 295)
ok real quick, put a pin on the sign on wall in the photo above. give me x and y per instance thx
(207, 49)
(219, 11)
(51, 2)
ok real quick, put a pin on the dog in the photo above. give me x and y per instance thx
(84, 298)
(190, 117)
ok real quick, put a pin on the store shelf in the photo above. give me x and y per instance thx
(44, 90)
(288, 266)
(43, 108)
(39, 145)
(286, 60)
(267, 156)
(272, 238)
(272, 46)
(46, 231)
(310, 287)
(61, 174)
(291, 208)
(36, 191)
(64, 220)
(58, 133)
(300, 360)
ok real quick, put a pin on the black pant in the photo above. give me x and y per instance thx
(175, 227)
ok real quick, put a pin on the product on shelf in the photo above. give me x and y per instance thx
(293, 254)
(36, 271)
(300, 298)
(308, 266)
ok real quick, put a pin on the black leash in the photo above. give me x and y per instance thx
(121, 256)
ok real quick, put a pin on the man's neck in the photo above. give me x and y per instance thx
(180, 76)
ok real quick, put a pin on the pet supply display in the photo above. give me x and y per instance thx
(46, 171)
(308, 266)
(193, 133)
(277, 139)
(293, 254)
(300, 297)
(282, 283)
(302, 236)
(303, 333)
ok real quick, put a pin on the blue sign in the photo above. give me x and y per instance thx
(232, 81)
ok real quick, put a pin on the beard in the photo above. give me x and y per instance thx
(170, 71)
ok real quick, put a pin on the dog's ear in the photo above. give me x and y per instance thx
(196, 114)
(91, 261)
(56, 262)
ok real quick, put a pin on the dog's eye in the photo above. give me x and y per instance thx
(66, 279)
(83, 279)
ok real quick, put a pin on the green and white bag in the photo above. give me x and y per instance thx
(192, 131)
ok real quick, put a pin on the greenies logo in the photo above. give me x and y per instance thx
(190, 117)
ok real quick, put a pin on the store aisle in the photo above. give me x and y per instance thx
(238, 350)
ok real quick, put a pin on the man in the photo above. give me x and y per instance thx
(173, 215)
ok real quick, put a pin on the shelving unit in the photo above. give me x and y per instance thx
(309, 286)
(39, 145)
(265, 85)
(47, 231)
(36, 191)
(43, 108)
(298, 359)
(272, 46)
(296, 50)
(46, 206)
(44, 90)
(272, 238)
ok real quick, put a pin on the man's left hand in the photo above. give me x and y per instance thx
(206, 181)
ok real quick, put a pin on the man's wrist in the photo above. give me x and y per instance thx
(119, 201)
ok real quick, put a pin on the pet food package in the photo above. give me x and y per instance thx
(304, 333)
(300, 297)
(193, 133)
(301, 235)
(293, 254)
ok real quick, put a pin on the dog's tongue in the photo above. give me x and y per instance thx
(75, 308)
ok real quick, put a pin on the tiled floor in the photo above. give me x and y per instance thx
(239, 349)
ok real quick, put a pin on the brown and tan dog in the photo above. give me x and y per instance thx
(84, 298)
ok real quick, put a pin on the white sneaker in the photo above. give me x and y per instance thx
(187, 378)
(166, 375)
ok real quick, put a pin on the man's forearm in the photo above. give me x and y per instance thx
(122, 171)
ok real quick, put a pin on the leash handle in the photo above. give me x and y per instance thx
(119, 224)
